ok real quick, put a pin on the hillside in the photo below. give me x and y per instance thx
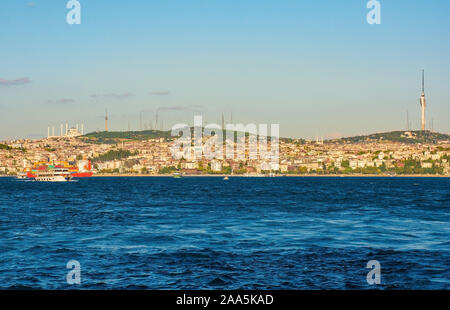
(398, 136)
(4, 147)
(112, 137)
(412, 137)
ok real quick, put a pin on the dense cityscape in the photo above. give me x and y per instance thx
(397, 153)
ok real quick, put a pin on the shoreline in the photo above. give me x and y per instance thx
(263, 176)
(274, 176)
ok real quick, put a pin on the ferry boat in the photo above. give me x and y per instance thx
(80, 169)
(54, 175)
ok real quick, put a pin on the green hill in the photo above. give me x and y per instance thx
(4, 147)
(399, 136)
(112, 137)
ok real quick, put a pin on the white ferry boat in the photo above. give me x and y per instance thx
(55, 175)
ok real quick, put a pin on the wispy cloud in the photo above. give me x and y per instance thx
(197, 106)
(31, 4)
(19, 81)
(194, 108)
(119, 96)
(172, 108)
(160, 93)
(62, 100)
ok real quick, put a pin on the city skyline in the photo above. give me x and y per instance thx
(317, 69)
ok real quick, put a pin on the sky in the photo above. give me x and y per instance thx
(317, 68)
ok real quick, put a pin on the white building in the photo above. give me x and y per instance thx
(216, 165)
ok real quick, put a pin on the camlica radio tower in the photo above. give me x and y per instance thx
(423, 102)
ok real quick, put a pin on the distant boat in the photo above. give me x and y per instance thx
(226, 178)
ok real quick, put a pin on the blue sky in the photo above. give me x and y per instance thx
(314, 67)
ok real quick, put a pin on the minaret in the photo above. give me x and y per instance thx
(223, 122)
(106, 121)
(423, 102)
(407, 120)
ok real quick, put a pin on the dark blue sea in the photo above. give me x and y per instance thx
(244, 233)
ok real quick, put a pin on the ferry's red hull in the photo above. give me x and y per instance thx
(82, 174)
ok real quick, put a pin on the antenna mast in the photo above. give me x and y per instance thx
(423, 101)
(423, 81)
